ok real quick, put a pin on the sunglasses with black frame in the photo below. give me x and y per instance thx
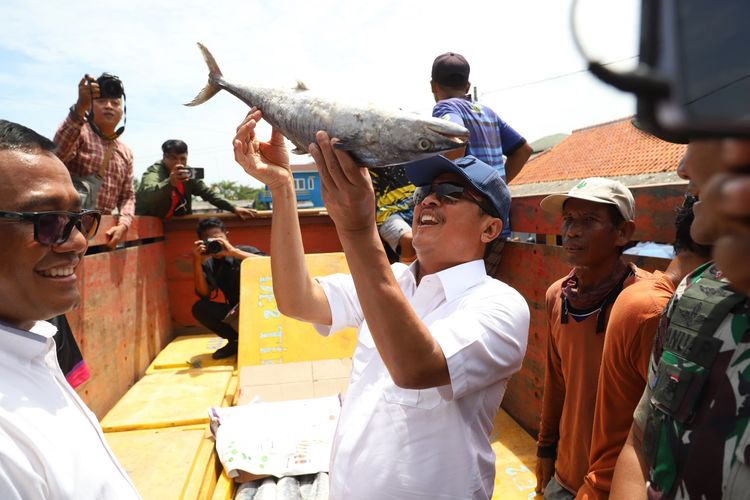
(54, 227)
(452, 191)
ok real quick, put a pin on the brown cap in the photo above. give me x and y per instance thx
(450, 69)
(598, 190)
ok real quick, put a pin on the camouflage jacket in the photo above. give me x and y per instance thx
(695, 409)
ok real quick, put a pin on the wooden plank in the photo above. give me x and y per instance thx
(190, 351)
(168, 398)
(266, 336)
(122, 322)
(159, 461)
(654, 213)
(515, 459)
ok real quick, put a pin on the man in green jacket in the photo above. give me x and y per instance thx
(167, 187)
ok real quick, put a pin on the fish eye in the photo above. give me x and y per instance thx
(424, 144)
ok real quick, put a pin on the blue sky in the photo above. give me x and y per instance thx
(380, 52)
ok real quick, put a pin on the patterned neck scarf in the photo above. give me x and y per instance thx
(600, 295)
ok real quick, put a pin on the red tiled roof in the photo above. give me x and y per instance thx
(610, 149)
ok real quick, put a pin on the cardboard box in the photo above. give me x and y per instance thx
(287, 381)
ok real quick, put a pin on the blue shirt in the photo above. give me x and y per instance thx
(489, 136)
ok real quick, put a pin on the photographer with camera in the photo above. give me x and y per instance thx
(216, 267)
(167, 186)
(100, 165)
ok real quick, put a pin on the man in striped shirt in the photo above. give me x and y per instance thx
(490, 139)
(88, 144)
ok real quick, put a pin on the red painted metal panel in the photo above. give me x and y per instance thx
(142, 227)
(654, 213)
(318, 234)
(122, 321)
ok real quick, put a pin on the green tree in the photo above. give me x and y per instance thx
(234, 191)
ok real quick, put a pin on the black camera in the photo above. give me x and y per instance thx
(110, 86)
(213, 246)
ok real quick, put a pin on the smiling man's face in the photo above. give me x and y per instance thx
(451, 232)
(37, 282)
(107, 113)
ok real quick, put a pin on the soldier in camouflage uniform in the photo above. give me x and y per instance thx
(694, 412)
(690, 431)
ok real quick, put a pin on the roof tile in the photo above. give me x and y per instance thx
(606, 150)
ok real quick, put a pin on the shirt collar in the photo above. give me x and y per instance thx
(457, 279)
(27, 344)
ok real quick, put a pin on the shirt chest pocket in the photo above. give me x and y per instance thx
(425, 399)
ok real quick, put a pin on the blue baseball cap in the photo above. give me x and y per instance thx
(485, 179)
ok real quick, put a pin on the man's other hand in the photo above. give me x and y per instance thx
(545, 467)
(199, 249)
(229, 250)
(346, 187)
(726, 196)
(115, 234)
(244, 213)
(88, 90)
(266, 161)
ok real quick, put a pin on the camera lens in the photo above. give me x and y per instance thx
(110, 86)
(213, 246)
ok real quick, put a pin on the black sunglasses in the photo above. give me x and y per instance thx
(452, 192)
(54, 228)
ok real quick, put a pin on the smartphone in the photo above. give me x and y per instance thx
(195, 172)
(701, 48)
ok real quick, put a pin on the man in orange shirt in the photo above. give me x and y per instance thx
(597, 223)
(627, 346)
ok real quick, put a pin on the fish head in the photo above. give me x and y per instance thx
(419, 137)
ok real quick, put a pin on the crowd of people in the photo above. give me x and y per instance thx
(647, 374)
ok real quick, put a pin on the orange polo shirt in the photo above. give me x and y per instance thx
(574, 353)
(630, 336)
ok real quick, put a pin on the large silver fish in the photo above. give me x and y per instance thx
(374, 137)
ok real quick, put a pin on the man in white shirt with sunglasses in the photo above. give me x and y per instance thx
(437, 340)
(51, 444)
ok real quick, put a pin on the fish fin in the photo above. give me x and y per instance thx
(346, 143)
(214, 73)
(300, 87)
(299, 150)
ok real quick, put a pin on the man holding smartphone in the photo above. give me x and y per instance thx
(167, 186)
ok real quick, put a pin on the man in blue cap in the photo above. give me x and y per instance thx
(437, 340)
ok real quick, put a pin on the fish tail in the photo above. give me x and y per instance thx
(214, 74)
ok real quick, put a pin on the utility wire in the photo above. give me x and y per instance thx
(556, 77)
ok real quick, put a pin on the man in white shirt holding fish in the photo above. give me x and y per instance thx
(437, 340)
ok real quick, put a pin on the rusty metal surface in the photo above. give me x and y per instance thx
(123, 320)
(318, 234)
(142, 228)
(654, 208)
